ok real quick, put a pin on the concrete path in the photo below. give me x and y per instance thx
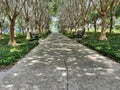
(59, 63)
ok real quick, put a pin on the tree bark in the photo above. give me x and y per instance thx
(36, 25)
(83, 24)
(1, 37)
(95, 26)
(83, 27)
(103, 31)
(12, 41)
(88, 27)
(76, 26)
(69, 30)
(28, 37)
(111, 24)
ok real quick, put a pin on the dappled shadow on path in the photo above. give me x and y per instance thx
(59, 63)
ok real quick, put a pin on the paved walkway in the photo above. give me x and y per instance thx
(59, 63)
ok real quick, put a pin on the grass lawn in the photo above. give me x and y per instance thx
(9, 54)
(110, 48)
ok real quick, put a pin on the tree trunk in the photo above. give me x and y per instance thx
(28, 37)
(83, 24)
(36, 26)
(69, 30)
(22, 30)
(111, 24)
(103, 31)
(76, 26)
(12, 41)
(1, 37)
(88, 27)
(62, 29)
(39, 29)
(83, 27)
(95, 26)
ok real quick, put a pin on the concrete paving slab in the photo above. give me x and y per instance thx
(59, 63)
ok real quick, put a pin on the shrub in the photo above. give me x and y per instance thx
(117, 26)
(109, 48)
(9, 54)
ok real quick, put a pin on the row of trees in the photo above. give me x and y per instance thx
(76, 13)
(29, 14)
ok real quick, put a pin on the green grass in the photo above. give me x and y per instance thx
(110, 48)
(9, 54)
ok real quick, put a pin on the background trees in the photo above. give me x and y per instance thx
(27, 14)
(2, 18)
(114, 6)
(34, 15)
(12, 10)
(30, 14)
(103, 6)
(80, 12)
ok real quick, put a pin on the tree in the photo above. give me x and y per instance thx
(113, 8)
(103, 6)
(27, 14)
(21, 23)
(85, 8)
(70, 14)
(42, 16)
(93, 17)
(54, 4)
(13, 9)
(2, 18)
(36, 16)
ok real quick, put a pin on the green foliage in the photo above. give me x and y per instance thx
(71, 34)
(109, 48)
(117, 14)
(54, 6)
(117, 26)
(44, 35)
(9, 54)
